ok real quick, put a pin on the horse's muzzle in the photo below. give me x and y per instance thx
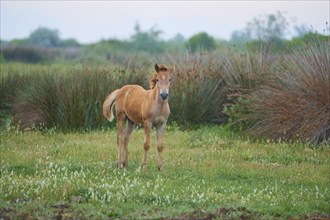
(164, 95)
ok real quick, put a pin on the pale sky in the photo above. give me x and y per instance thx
(91, 21)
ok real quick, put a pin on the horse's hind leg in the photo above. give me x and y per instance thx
(120, 139)
(128, 132)
(146, 145)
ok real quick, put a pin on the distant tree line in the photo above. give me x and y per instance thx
(45, 38)
(45, 44)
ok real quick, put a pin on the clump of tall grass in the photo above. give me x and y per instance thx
(70, 98)
(196, 94)
(11, 82)
(296, 105)
(250, 67)
(245, 71)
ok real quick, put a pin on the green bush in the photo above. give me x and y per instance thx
(201, 41)
(44, 37)
(237, 111)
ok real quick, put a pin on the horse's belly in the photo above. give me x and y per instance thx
(133, 105)
(134, 114)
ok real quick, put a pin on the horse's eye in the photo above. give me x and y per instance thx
(157, 80)
(169, 79)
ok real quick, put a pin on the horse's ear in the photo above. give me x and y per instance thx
(157, 68)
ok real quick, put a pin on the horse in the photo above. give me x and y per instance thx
(136, 105)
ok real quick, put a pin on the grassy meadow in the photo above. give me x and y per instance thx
(248, 136)
(209, 173)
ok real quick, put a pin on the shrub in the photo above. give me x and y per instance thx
(201, 41)
(28, 54)
(44, 37)
(296, 104)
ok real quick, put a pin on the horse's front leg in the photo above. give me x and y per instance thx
(146, 145)
(160, 145)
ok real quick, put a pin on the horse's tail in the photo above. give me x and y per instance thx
(108, 105)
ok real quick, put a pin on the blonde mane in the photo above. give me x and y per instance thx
(153, 80)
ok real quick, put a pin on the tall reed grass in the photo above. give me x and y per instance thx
(197, 89)
(10, 85)
(246, 70)
(295, 105)
(272, 95)
(68, 98)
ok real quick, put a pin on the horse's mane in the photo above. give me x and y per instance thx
(153, 80)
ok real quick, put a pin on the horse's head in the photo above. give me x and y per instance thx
(163, 80)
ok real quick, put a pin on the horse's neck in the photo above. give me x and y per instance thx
(156, 99)
(159, 110)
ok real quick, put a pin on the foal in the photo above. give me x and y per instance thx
(139, 106)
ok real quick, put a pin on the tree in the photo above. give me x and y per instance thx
(302, 30)
(45, 37)
(179, 38)
(69, 43)
(239, 37)
(268, 27)
(147, 41)
(271, 27)
(201, 41)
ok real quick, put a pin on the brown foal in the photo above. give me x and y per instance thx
(139, 106)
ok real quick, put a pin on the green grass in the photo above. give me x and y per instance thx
(48, 174)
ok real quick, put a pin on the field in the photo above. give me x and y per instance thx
(248, 136)
(209, 173)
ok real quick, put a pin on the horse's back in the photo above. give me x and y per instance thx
(130, 100)
(130, 92)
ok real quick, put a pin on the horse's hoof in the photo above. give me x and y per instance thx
(120, 165)
(143, 168)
